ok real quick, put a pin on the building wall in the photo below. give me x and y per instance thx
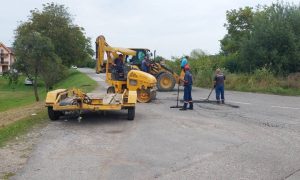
(8, 59)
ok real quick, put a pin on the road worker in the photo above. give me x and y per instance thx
(119, 66)
(183, 62)
(188, 83)
(145, 64)
(219, 86)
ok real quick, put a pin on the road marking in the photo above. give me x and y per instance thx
(285, 107)
(239, 102)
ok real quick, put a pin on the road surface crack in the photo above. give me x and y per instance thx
(291, 174)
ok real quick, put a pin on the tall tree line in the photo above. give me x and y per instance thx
(266, 36)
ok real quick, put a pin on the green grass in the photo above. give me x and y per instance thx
(19, 96)
(21, 127)
(79, 80)
(23, 95)
(8, 175)
(260, 84)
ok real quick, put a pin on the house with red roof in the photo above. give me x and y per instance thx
(7, 58)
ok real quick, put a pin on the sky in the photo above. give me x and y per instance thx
(171, 27)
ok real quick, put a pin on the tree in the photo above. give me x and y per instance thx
(13, 77)
(267, 37)
(55, 22)
(33, 52)
(239, 25)
(48, 43)
(274, 42)
(197, 54)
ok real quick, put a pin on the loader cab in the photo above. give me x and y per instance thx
(140, 55)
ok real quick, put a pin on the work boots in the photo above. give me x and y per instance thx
(223, 102)
(191, 106)
(184, 107)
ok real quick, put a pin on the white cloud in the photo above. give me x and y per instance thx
(172, 27)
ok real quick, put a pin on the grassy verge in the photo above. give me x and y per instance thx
(22, 95)
(79, 80)
(74, 79)
(261, 84)
(22, 126)
(8, 175)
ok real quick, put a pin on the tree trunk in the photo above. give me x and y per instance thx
(35, 87)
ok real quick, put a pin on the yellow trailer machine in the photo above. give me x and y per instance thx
(61, 101)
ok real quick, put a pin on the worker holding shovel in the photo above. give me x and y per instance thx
(219, 86)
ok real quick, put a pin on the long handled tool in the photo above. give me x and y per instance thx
(207, 99)
(177, 106)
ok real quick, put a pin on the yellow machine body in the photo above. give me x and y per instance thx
(89, 101)
(62, 101)
(143, 83)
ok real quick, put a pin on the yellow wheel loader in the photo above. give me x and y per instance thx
(166, 78)
(144, 83)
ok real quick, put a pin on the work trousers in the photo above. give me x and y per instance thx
(187, 96)
(220, 91)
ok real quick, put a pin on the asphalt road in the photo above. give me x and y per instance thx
(258, 140)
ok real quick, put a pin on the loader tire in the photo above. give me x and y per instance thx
(144, 95)
(131, 113)
(165, 82)
(53, 115)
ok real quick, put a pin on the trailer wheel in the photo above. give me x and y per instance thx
(53, 115)
(131, 113)
(165, 82)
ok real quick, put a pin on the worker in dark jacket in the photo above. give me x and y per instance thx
(119, 66)
(219, 86)
(118, 62)
(188, 83)
(145, 64)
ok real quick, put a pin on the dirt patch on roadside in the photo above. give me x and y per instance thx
(13, 115)
(15, 154)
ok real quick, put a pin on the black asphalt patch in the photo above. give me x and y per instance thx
(213, 102)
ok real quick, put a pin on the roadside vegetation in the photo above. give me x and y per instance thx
(259, 53)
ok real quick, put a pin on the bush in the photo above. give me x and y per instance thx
(264, 78)
(293, 80)
(12, 77)
(90, 63)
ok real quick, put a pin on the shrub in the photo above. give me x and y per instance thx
(293, 80)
